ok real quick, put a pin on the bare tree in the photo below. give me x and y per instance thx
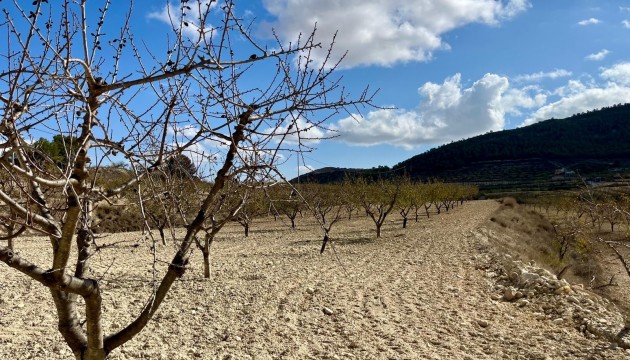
(253, 207)
(224, 210)
(289, 202)
(114, 98)
(326, 202)
(377, 199)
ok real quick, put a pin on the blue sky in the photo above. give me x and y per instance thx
(446, 69)
(459, 68)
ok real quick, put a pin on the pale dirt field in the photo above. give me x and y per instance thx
(417, 293)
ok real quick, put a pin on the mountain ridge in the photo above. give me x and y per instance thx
(593, 144)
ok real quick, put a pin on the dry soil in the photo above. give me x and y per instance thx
(415, 293)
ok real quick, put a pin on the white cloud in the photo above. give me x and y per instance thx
(598, 56)
(187, 17)
(577, 97)
(591, 21)
(296, 131)
(619, 73)
(626, 24)
(385, 32)
(303, 169)
(555, 74)
(624, 8)
(589, 99)
(448, 111)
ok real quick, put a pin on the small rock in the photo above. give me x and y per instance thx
(528, 277)
(522, 302)
(509, 294)
(566, 289)
(327, 311)
(483, 323)
(572, 299)
(558, 321)
(540, 316)
(310, 290)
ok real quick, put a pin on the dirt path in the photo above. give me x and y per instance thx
(414, 294)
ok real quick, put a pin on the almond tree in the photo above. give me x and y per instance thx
(327, 204)
(290, 203)
(377, 199)
(116, 97)
(407, 200)
(224, 210)
(252, 208)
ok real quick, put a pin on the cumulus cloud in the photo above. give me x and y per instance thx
(577, 97)
(590, 98)
(626, 24)
(451, 111)
(297, 131)
(591, 21)
(619, 73)
(385, 32)
(555, 74)
(448, 111)
(598, 56)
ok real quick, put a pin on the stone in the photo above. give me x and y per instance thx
(565, 289)
(522, 302)
(327, 311)
(310, 290)
(509, 294)
(483, 323)
(572, 299)
(529, 277)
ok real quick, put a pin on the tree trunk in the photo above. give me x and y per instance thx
(246, 229)
(206, 263)
(405, 222)
(10, 230)
(326, 238)
(205, 250)
(161, 230)
(378, 230)
(92, 354)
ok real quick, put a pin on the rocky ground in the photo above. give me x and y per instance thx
(436, 290)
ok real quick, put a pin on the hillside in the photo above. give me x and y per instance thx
(549, 154)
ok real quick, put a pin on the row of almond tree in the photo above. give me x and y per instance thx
(331, 203)
(587, 218)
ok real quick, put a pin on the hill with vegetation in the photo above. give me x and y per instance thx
(552, 154)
